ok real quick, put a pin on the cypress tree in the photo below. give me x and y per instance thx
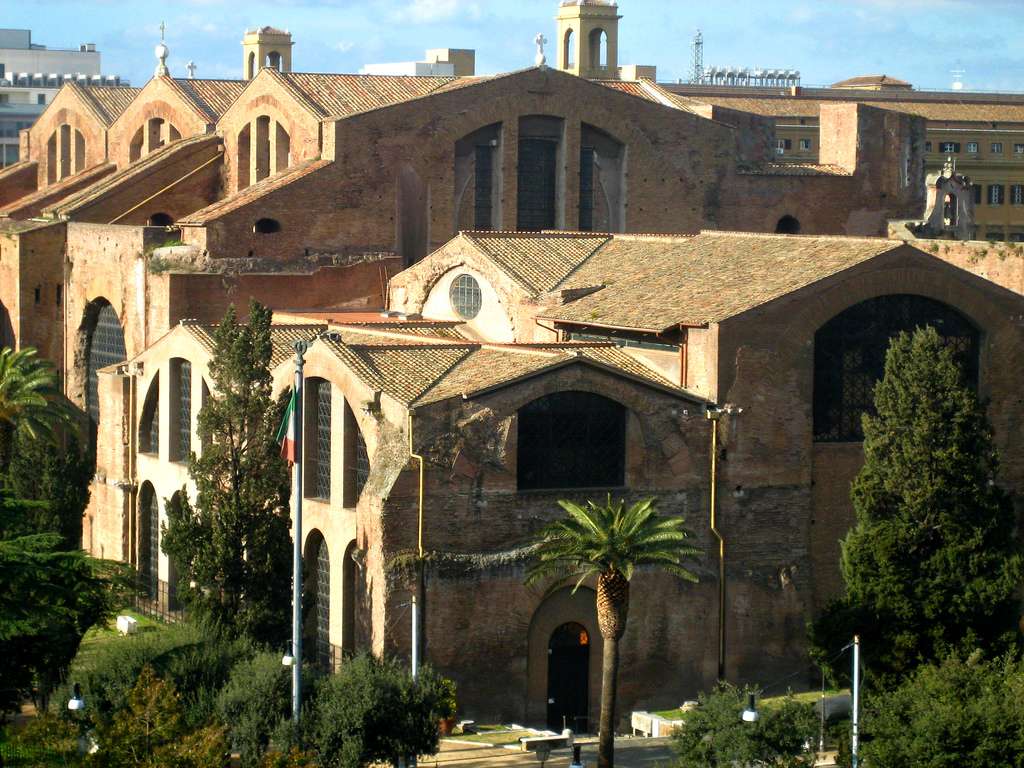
(232, 546)
(933, 562)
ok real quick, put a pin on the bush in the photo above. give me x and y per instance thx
(960, 714)
(715, 735)
(372, 711)
(196, 662)
(255, 701)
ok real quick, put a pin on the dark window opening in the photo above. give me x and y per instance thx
(182, 369)
(483, 187)
(571, 440)
(318, 439)
(849, 356)
(149, 425)
(787, 225)
(160, 220)
(38, 293)
(586, 189)
(362, 464)
(149, 542)
(59, 294)
(318, 560)
(266, 226)
(537, 184)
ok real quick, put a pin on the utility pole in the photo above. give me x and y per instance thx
(300, 351)
(855, 738)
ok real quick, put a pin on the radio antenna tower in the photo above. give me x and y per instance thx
(697, 75)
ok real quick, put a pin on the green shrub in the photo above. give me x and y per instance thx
(256, 698)
(714, 734)
(960, 714)
(372, 711)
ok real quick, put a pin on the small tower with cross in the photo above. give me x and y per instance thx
(266, 47)
(588, 38)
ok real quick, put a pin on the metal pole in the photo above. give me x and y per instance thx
(855, 743)
(415, 638)
(300, 350)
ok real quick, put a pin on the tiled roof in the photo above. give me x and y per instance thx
(654, 283)
(108, 101)
(282, 338)
(53, 193)
(213, 97)
(139, 168)
(537, 261)
(337, 95)
(403, 371)
(862, 80)
(632, 87)
(254, 192)
(952, 110)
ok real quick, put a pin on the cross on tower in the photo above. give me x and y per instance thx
(191, 67)
(541, 60)
(162, 28)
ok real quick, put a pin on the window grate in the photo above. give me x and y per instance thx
(466, 297)
(362, 464)
(849, 357)
(484, 181)
(323, 440)
(536, 184)
(184, 409)
(149, 430)
(586, 189)
(106, 347)
(571, 440)
(323, 606)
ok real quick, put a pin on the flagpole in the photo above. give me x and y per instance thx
(300, 351)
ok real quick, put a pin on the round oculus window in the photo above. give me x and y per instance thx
(465, 297)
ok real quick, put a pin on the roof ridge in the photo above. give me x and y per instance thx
(808, 236)
(297, 92)
(189, 96)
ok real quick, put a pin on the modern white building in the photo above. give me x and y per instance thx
(438, 62)
(30, 76)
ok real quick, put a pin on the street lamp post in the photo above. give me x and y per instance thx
(855, 736)
(300, 351)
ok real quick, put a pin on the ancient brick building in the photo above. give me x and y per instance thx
(140, 215)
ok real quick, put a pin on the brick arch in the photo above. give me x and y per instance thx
(85, 137)
(554, 609)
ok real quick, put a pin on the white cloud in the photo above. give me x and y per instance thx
(426, 11)
(344, 46)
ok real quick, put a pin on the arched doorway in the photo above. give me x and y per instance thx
(568, 678)
(787, 225)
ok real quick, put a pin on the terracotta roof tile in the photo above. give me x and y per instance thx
(254, 192)
(108, 101)
(538, 262)
(282, 338)
(213, 97)
(338, 95)
(654, 283)
(797, 169)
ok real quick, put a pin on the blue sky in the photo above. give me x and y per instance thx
(827, 40)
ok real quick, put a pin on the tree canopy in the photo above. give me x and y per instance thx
(933, 562)
(31, 403)
(232, 546)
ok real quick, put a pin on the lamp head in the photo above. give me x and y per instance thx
(750, 714)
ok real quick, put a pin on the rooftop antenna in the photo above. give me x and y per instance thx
(958, 79)
(697, 75)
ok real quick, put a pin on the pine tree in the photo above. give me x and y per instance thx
(232, 547)
(933, 562)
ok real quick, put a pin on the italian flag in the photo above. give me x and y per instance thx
(286, 434)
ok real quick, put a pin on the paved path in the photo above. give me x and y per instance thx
(629, 753)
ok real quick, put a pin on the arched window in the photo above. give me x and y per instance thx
(598, 49)
(274, 60)
(787, 225)
(6, 329)
(243, 157)
(266, 226)
(282, 148)
(261, 147)
(319, 563)
(569, 50)
(571, 440)
(478, 179)
(250, 66)
(149, 541)
(181, 409)
(149, 424)
(104, 345)
(171, 598)
(539, 172)
(602, 205)
(348, 603)
(135, 146)
(160, 220)
(317, 442)
(357, 459)
(849, 356)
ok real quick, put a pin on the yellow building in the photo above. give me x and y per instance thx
(983, 133)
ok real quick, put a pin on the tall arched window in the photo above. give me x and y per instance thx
(571, 440)
(569, 50)
(598, 49)
(149, 424)
(317, 442)
(319, 562)
(104, 345)
(149, 540)
(242, 158)
(357, 459)
(181, 409)
(6, 329)
(348, 602)
(849, 356)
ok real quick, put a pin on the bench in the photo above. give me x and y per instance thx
(542, 743)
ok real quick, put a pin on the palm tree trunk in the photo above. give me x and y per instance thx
(609, 683)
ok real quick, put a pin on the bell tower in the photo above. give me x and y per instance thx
(266, 47)
(588, 38)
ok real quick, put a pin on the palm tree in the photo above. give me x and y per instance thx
(31, 403)
(610, 542)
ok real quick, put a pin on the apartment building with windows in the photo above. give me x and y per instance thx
(30, 77)
(983, 133)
